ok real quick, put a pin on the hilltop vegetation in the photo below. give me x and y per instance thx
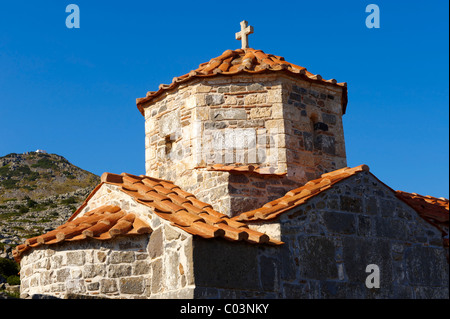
(38, 192)
(38, 175)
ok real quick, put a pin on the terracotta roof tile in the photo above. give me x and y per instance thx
(103, 223)
(181, 208)
(250, 61)
(239, 168)
(185, 211)
(433, 210)
(427, 206)
(299, 195)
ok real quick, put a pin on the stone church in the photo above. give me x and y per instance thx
(247, 194)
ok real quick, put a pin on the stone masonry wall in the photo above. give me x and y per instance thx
(329, 241)
(315, 141)
(155, 266)
(221, 120)
(92, 268)
(243, 119)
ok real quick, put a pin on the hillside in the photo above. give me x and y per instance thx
(38, 192)
(39, 175)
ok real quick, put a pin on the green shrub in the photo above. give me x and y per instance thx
(28, 187)
(18, 171)
(13, 280)
(9, 183)
(69, 175)
(44, 163)
(31, 203)
(23, 209)
(70, 200)
(4, 170)
(9, 215)
(32, 176)
(8, 267)
(21, 170)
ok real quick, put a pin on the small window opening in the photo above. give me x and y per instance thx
(169, 144)
(316, 125)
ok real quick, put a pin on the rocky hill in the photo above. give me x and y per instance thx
(39, 175)
(38, 192)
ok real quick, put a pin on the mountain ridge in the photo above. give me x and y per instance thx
(39, 175)
(38, 192)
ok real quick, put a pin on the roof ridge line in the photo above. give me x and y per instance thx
(298, 196)
(262, 62)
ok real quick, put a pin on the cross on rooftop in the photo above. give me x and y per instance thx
(243, 34)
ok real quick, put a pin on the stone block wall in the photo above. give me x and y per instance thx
(275, 121)
(329, 242)
(91, 268)
(212, 121)
(314, 131)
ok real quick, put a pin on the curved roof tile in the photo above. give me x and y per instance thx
(433, 210)
(103, 223)
(186, 212)
(251, 61)
(427, 206)
(300, 195)
(183, 209)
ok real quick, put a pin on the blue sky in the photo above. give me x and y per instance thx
(72, 91)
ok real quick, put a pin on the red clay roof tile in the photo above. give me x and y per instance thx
(185, 211)
(299, 195)
(181, 208)
(433, 210)
(233, 62)
(427, 206)
(102, 223)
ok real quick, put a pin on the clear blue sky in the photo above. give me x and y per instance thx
(72, 91)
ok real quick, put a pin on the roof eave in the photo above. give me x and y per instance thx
(144, 102)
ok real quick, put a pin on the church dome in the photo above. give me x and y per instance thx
(234, 62)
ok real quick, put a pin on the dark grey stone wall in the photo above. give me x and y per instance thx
(329, 241)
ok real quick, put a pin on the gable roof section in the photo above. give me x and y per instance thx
(103, 223)
(427, 206)
(250, 61)
(433, 210)
(299, 196)
(183, 209)
(186, 212)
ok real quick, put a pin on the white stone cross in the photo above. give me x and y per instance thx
(243, 34)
